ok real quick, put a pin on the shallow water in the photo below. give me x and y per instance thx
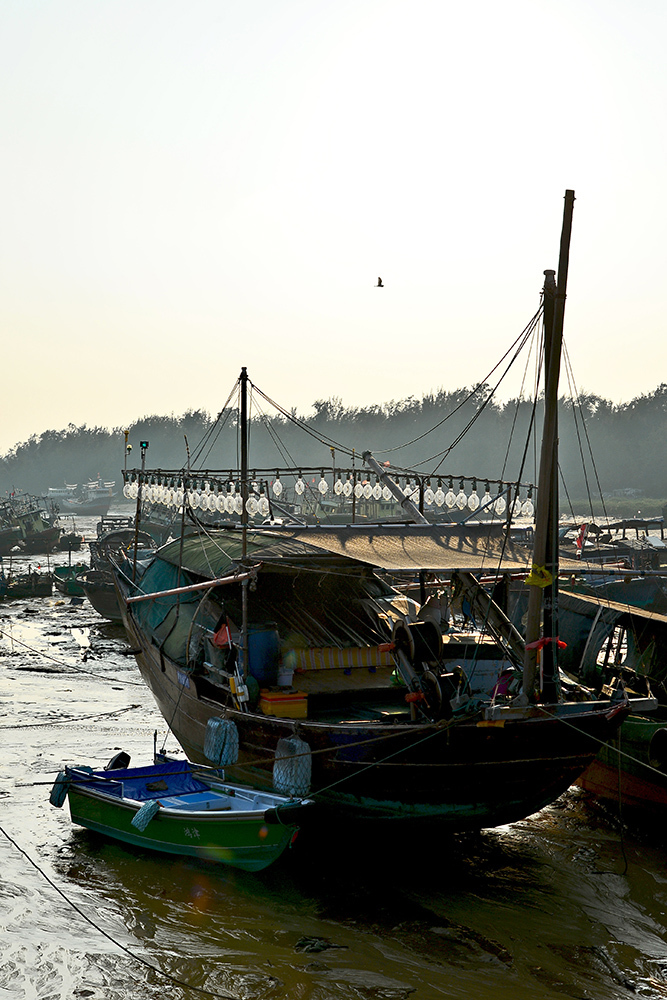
(542, 909)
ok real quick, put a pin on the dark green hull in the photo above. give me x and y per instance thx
(640, 783)
(243, 841)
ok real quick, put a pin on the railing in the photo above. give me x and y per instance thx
(341, 488)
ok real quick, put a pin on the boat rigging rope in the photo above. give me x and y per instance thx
(521, 339)
(137, 958)
(68, 666)
(525, 337)
(322, 438)
(604, 743)
(516, 347)
(284, 452)
(224, 412)
(576, 405)
(529, 434)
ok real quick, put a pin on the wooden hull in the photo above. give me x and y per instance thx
(640, 782)
(101, 593)
(9, 539)
(32, 585)
(242, 842)
(472, 774)
(41, 541)
(68, 579)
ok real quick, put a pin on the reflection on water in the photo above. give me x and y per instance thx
(542, 909)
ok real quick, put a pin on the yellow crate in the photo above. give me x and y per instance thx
(284, 705)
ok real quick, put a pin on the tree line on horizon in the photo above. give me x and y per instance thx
(474, 435)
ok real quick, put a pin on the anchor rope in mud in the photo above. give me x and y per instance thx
(73, 718)
(68, 667)
(137, 958)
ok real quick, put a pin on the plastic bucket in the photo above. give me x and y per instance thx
(264, 653)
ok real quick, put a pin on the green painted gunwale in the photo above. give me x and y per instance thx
(238, 838)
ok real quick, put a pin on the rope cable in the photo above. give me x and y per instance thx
(137, 958)
(473, 391)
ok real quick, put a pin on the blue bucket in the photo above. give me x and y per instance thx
(264, 653)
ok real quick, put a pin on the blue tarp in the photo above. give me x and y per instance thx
(133, 782)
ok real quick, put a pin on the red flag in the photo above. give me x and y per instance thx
(222, 637)
(581, 538)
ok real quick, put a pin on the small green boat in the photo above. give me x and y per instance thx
(180, 808)
(67, 578)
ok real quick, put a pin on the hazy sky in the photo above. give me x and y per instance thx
(189, 187)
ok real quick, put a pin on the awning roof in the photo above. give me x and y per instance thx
(477, 548)
(218, 552)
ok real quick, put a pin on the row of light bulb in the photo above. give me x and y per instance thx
(438, 497)
(232, 502)
(204, 500)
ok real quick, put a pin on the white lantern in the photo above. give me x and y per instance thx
(323, 486)
(299, 486)
(277, 488)
(338, 487)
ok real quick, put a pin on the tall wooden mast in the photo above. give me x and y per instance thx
(540, 577)
(245, 652)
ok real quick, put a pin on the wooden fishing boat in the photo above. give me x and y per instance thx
(176, 808)
(114, 534)
(68, 578)
(14, 586)
(294, 632)
(36, 530)
(607, 639)
(93, 498)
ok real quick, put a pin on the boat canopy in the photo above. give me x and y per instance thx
(474, 548)
(220, 552)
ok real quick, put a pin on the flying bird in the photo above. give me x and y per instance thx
(379, 284)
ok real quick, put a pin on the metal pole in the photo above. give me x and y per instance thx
(408, 506)
(137, 517)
